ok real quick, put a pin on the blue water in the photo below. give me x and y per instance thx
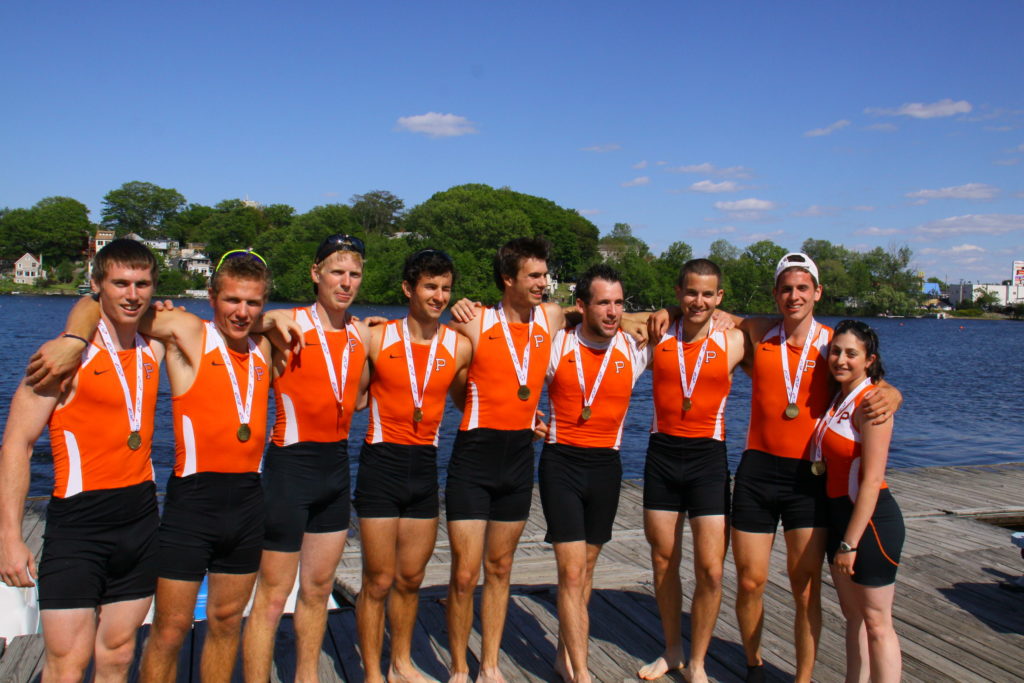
(960, 381)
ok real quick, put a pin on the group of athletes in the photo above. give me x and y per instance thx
(252, 520)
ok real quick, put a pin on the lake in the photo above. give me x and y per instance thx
(959, 380)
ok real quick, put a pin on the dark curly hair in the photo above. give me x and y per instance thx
(869, 338)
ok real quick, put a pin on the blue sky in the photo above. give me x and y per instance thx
(867, 124)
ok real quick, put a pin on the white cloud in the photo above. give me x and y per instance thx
(710, 169)
(635, 182)
(710, 187)
(601, 148)
(757, 236)
(827, 130)
(965, 247)
(998, 129)
(921, 110)
(437, 125)
(814, 210)
(973, 224)
(750, 204)
(640, 164)
(1007, 162)
(968, 191)
(712, 232)
(863, 207)
(882, 127)
(588, 212)
(875, 231)
(660, 163)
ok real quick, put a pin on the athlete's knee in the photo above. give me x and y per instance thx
(64, 668)
(378, 584)
(572, 576)
(464, 579)
(114, 657)
(268, 603)
(750, 581)
(171, 629)
(709, 577)
(409, 582)
(224, 620)
(878, 623)
(498, 568)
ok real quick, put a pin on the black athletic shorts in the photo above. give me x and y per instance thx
(213, 521)
(879, 549)
(396, 480)
(490, 475)
(99, 547)
(688, 475)
(769, 488)
(305, 490)
(579, 490)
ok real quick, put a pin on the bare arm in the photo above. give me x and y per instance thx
(463, 357)
(882, 402)
(30, 411)
(281, 328)
(57, 360)
(875, 440)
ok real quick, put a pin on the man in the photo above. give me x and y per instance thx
(776, 479)
(490, 474)
(98, 568)
(590, 380)
(686, 473)
(416, 361)
(305, 469)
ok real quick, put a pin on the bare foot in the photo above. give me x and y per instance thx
(563, 667)
(695, 673)
(411, 674)
(490, 676)
(661, 666)
(460, 677)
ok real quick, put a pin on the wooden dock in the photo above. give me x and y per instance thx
(955, 621)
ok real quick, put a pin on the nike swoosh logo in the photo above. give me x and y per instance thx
(391, 355)
(213, 362)
(99, 372)
(666, 349)
(490, 337)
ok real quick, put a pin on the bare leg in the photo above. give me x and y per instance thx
(805, 551)
(115, 638)
(501, 541)
(710, 541)
(752, 554)
(228, 596)
(857, 665)
(379, 539)
(69, 637)
(664, 529)
(276, 579)
(573, 618)
(883, 645)
(320, 555)
(415, 545)
(172, 621)
(466, 538)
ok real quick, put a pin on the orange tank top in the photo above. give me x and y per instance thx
(89, 433)
(706, 416)
(491, 391)
(206, 419)
(391, 403)
(305, 403)
(770, 431)
(603, 429)
(840, 447)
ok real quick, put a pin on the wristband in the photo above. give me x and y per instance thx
(75, 336)
(845, 547)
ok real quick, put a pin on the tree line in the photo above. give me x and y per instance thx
(468, 222)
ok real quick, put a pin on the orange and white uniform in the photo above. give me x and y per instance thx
(604, 427)
(306, 408)
(391, 402)
(706, 417)
(770, 431)
(491, 388)
(89, 433)
(205, 421)
(840, 446)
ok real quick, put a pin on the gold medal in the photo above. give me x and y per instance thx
(818, 468)
(134, 441)
(687, 404)
(792, 411)
(417, 415)
(586, 413)
(523, 393)
(243, 433)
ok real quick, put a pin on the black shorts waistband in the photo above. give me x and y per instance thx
(685, 446)
(581, 454)
(309, 449)
(104, 506)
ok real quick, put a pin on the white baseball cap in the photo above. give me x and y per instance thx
(795, 259)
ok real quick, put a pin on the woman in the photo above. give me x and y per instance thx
(865, 524)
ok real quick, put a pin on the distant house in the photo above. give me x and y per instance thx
(163, 244)
(196, 263)
(96, 242)
(28, 269)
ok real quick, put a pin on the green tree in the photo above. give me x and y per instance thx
(378, 211)
(723, 252)
(986, 299)
(65, 223)
(140, 208)
(184, 226)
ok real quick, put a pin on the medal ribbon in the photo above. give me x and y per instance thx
(522, 369)
(826, 421)
(688, 387)
(244, 411)
(349, 332)
(417, 395)
(134, 412)
(600, 373)
(793, 384)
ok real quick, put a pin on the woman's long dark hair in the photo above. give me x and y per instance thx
(869, 338)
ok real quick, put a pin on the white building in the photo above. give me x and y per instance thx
(28, 269)
(197, 263)
(1007, 295)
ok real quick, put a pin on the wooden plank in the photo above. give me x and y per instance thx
(22, 660)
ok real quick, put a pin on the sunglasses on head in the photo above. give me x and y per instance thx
(240, 253)
(340, 243)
